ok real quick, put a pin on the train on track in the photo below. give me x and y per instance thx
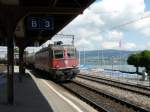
(58, 60)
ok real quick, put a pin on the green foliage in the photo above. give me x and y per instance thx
(134, 59)
(141, 59)
(145, 59)
(16, 50)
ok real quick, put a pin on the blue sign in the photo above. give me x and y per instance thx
(40, 23)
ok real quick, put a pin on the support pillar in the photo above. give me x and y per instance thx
(10, 21)
(10, 69)
(21, 64)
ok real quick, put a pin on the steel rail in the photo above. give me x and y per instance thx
(120, 85)
(107, 95)
(102, 93)
(92, 103)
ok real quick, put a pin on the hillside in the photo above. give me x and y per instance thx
(106, 53)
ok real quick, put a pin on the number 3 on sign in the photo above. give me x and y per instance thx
(47, 24)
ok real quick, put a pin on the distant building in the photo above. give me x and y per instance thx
(16, 58)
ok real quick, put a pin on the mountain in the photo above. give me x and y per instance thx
(106, 53)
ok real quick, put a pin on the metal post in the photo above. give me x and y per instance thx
(79, 59)
(102, 57)
(112, 73)
(112, 63)
(149, 80)
(21, 64)
(148, 73)
(73, 40)
(98, 58)
(10, 69)
(84, 56)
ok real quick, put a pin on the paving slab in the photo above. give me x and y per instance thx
(34, 94)
(28, 98)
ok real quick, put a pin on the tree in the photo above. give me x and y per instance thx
(134, 59)
(16, 50)
(141, 59)
(145, 60)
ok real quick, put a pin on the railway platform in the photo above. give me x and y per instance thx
(35, 94)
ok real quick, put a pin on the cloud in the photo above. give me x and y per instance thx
(142, 25)
(115, 35)
(110, 45)
(115, 45)
(103, 24)
(84, 44)
(129, 46)
(147, 45)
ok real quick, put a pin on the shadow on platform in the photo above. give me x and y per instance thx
(41, 74)
(27, 97)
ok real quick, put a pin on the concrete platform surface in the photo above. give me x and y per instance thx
(28, 98)
(34, 94)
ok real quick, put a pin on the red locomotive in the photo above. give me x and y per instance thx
(60, 61)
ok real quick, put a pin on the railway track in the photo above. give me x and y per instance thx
(104, 102)
(133, 88)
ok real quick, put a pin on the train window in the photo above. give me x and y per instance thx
(58, 54)
(71, 53)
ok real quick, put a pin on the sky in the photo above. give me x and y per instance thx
(112, 24)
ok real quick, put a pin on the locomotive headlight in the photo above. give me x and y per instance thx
(57, 66)
(66, 62)
(74, 65)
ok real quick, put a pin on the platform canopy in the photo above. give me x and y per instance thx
(36, 21)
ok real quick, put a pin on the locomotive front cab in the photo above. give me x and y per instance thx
(65, 62)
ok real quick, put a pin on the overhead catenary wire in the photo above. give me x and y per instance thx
(127, 23)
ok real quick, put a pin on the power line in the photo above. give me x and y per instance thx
(127, 23)
(130, 22)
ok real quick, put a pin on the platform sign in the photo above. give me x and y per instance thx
(40, 23)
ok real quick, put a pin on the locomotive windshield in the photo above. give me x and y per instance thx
(58, 54)
(71, 53)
